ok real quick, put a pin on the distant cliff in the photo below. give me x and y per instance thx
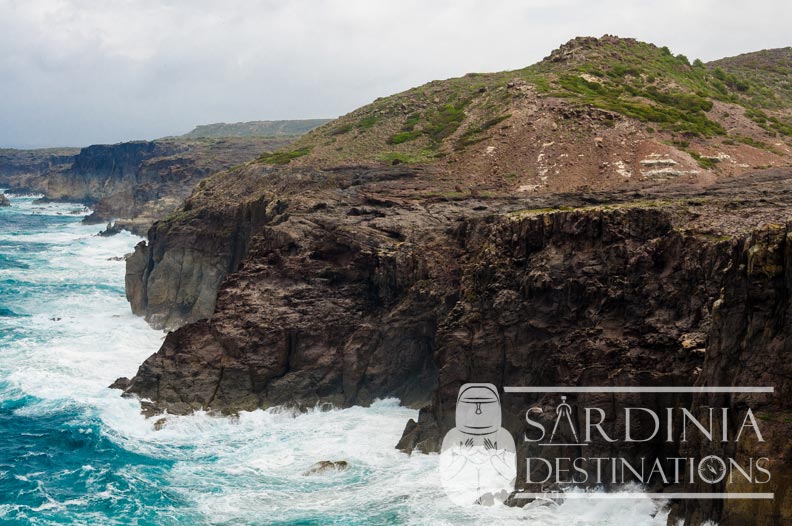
(255, 128)
(132, 183)
(19, 166)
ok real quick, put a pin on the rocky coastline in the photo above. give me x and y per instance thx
(351, 293)
(578, 222)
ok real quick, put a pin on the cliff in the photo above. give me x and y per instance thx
(539, 230)
(151, 183)
(132, 183)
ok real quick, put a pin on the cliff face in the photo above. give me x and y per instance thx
(21, 169)
(173, 278)
(161, 179)
(749, 343)
(133, 183)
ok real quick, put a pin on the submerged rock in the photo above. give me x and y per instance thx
(160, 423)
(326, 466)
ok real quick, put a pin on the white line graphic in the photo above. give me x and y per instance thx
(636, 389)
(638, 495)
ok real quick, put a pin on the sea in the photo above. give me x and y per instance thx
(74, 452)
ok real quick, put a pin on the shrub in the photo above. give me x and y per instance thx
(406, 136)
(367, 122)
(283, 157)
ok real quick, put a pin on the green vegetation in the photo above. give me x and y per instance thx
(445, 120)
(404, 136)
(340, 130)
(283, 157)
(627, 83)
(668, 92)
(650, 84)
(472, 135)
(403, 158)
(367, 122)
(756, 144)
(705, 162)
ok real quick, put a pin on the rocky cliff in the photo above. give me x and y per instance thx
(132, 183)
(354, 293)
(20, 169)
(374, 258)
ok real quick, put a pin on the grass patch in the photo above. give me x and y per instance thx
(367, 122)
(750, 141)
(707, 163)
(471, 136)
(445, 120)
(283, 157)
(405, 136)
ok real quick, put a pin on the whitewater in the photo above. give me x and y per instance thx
(73, 451)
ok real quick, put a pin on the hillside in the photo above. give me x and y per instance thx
(595, 113)
(255, 129)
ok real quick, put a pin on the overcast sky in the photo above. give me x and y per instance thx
(77, 72)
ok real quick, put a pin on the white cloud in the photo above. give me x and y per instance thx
(86, 71)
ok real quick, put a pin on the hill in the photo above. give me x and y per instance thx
(595, 113)
(255, 129)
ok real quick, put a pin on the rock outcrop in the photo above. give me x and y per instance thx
(4, 200)
(750, 343)
(173, 278)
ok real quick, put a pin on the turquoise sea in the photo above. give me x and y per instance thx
(72, 451)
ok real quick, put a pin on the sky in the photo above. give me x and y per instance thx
(79, 72)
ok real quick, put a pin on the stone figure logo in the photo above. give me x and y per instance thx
(478, 463)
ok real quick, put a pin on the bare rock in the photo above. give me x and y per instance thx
(326, 466)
